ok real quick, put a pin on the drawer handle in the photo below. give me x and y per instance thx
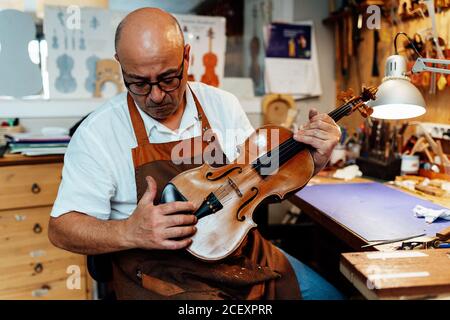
(38, 268)
(35, 188)
(43, 291)
(37, 228)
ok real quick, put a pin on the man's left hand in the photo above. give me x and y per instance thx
(323, 134)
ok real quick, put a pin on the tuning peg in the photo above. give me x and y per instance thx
(365, 111)
(346, 95)
(369, 93)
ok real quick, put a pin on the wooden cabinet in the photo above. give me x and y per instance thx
(30, 266)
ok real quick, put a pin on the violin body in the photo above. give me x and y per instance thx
(221, 232)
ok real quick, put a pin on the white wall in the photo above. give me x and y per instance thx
(316, 11)
(294, 11)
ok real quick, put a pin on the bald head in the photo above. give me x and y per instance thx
(148, 27)
(150, 49)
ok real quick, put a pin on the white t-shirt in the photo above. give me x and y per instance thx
(98, 175)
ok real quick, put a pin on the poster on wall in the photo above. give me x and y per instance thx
(292, 63)
(207, 38)
(76, 41)
(75, 50)
(289, 41)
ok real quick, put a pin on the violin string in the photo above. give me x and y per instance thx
(288, 146)
(224, 196)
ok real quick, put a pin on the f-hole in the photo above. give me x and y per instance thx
(209, 174)
(256, 191)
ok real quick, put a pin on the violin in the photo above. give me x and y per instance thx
(210, 62)
(271, 163)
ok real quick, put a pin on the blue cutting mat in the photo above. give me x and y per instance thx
(372, 210)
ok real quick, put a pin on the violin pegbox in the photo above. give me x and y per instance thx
(358, 102)
(346, 96)
(367, 94)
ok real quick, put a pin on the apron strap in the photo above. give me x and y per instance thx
(137, 122)
(139, 127)
(201, 114)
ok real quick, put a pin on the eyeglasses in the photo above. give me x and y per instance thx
(169, 84)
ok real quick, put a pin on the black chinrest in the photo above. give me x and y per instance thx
(171, 194)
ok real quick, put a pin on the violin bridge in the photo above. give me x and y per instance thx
(235, 187)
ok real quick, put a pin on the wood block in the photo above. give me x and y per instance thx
(415, 274)
(444, 234)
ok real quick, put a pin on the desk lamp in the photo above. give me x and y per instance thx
(397, 97)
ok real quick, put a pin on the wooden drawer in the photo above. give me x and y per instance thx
(51, 290)
(27, 223)
(27, 255)
(29, 185)
(34, 275)
(24, 238)
(30, 266)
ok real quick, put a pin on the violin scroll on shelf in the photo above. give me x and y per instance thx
(271, 164)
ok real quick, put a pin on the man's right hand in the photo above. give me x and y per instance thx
(160, 227)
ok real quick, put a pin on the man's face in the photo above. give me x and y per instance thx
(170, 68)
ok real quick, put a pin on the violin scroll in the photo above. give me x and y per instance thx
(369, 93)
(358, 103)
(366, 95)
(346, 96)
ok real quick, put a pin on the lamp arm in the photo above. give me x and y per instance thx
(420, 65)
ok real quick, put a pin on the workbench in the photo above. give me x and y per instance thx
(361, 212)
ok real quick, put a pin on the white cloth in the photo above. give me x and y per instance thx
(431, 215)
(98, 175)
(348, 173)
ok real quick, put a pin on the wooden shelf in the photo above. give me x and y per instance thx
(53, 108)
(78, 108)
(18, 159)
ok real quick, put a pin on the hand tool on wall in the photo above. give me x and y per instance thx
(376, 40)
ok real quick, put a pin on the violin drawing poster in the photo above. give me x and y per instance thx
(206, 36)
(74, 49)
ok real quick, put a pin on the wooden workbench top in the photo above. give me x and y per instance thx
(18, 159)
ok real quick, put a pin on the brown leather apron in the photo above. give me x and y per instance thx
(257, 270)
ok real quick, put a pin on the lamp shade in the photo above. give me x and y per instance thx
(397, 97)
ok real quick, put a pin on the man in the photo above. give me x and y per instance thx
(99, 210)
